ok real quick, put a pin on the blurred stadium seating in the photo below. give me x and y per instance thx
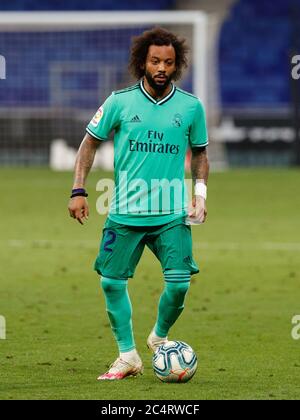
(255, 53)
(43, 71)
(56, 79)
(257, 41)
(56, 69)
(82, 5)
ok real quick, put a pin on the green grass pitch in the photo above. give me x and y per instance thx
(238, 312)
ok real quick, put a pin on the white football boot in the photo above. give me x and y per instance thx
(154, 342)
(121, 369)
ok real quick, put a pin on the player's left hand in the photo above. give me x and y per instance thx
(198, 210)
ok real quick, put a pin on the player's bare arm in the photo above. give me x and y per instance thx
(200, 173)
(78, 206)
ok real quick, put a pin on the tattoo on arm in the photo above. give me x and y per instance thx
(84, 161)
(200, 165)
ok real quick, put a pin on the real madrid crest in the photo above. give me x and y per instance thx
(177, 120)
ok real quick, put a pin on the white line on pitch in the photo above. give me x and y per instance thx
(213, 246)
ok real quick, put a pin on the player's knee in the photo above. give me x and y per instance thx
(177, 292)
(110, 286)
(182, 288)
(106, 286)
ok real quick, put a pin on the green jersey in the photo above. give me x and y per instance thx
(151, 139)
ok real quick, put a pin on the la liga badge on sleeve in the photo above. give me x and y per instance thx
(97, 117)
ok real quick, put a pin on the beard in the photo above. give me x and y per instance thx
(158, 87)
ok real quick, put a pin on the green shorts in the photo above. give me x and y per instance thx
(122, 247)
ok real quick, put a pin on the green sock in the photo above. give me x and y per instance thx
(171, 304)
(119, 310)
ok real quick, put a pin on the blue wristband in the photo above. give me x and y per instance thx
(79, 192)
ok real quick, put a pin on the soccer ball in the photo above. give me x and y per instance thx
(174, 361)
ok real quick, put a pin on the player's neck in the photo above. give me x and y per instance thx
(154, 93)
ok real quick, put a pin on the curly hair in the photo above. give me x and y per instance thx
(157, 36)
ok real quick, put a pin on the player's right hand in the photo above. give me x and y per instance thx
(79, 209)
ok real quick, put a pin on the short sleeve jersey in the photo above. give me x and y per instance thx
(151, 139)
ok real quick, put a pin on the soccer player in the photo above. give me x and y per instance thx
(154, 123)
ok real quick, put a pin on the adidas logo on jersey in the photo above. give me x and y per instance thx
(136, 119)
(187, 260)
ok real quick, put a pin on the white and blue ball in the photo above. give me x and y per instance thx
(175, 362)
